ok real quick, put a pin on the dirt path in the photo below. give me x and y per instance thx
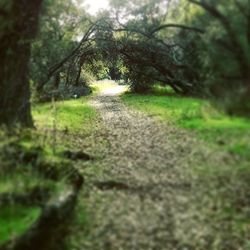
(141, 198)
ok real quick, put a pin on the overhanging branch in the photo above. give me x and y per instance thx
(179, 26)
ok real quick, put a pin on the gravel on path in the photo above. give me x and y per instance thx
(143, 198)
(139, 201)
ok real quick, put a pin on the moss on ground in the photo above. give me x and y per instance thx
(24, 186)
(15, 220)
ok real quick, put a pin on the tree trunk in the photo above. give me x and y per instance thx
(57, 80)
(20, 21)
(77, 81)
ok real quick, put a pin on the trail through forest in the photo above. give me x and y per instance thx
(142, 199)
(165, 166)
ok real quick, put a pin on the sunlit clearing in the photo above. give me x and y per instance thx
(95, 5)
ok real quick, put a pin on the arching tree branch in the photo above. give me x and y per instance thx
(179, 26)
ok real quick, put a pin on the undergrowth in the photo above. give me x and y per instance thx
(15, 220)
(23, 186)
(24, 153)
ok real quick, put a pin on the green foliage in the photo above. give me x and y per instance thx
(25, 184)
(222, 52)
(61, 25)
(98, 70)
(197, 48)
(74, 116)
(22, 182)
(15, 220)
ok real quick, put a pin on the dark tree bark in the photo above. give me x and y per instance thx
(79, 71)
(20, 25)
(57, 79)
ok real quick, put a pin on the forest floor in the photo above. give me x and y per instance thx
(147, 188)
(161, 172)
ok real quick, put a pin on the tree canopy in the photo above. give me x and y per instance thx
(196, 47)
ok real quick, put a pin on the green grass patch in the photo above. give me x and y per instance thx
(232, 133)
(15, 220)
(73, 115)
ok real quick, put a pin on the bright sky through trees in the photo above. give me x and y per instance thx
(95, 5)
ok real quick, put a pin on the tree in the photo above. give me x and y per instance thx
(62, 23)
(197, 47)
(19, 22)
(147, 46)
(223, 52)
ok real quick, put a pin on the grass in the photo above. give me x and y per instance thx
(15, 220)
(231, 133)
(76, 116)
(22, 182)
